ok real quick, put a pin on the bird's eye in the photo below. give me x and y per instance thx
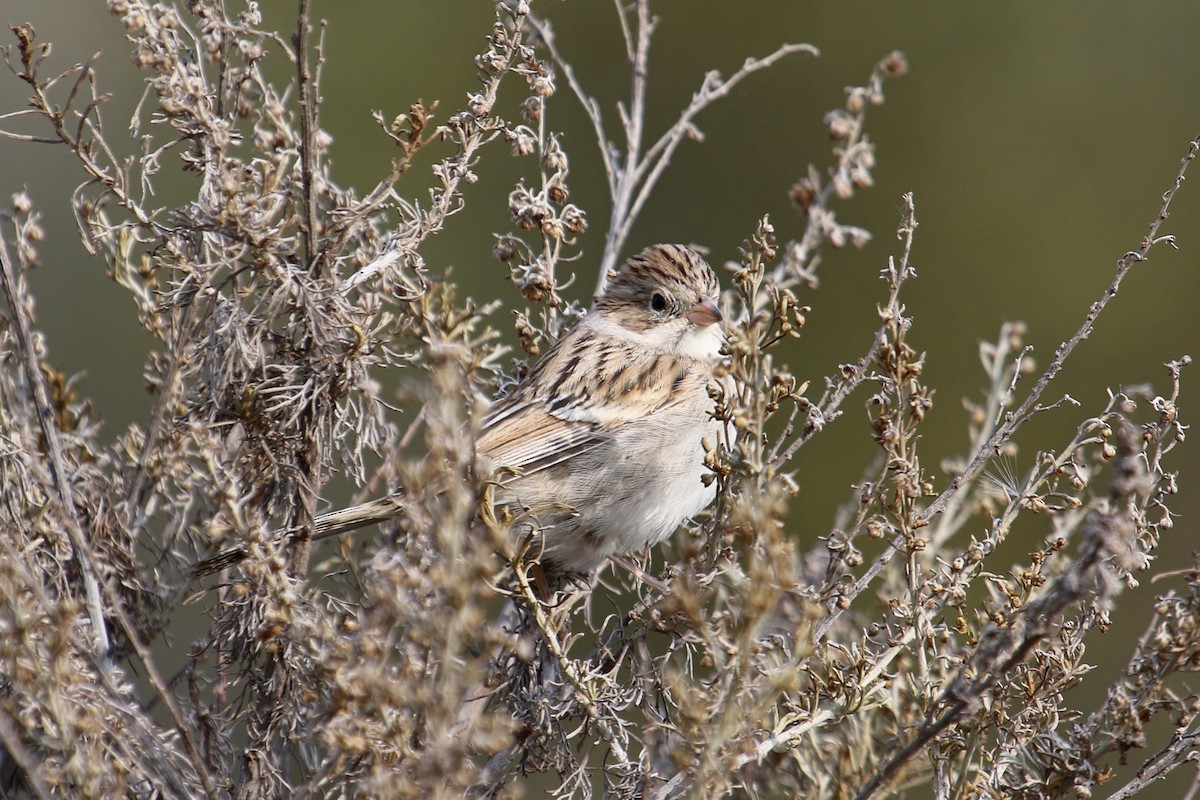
(658, 302)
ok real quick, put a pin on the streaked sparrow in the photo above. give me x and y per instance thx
(601, 443)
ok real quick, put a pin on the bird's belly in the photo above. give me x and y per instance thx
(632, 492)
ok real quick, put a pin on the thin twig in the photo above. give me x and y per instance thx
(590, 105)
(650, 168)
(632, 181)
(582, 691)
(167, 695)
(29, 763)
(998, 657)
(92, 586)
(853, 376)
(31, 366)
(25, 137)
(308, 134)
(1028, 408)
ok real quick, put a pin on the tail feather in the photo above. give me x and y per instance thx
(335, 523)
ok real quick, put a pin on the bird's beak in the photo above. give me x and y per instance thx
(704, 313)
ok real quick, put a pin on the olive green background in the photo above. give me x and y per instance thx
(1037, 138)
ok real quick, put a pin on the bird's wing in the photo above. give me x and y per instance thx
(529, 438)
(586, 388)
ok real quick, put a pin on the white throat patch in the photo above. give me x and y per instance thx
(678, 337)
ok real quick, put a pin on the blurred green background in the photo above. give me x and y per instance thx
(1037, 138)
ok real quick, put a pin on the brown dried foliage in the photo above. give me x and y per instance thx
(894, 653)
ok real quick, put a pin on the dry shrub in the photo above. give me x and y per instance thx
(895, 652)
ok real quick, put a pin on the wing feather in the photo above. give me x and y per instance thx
(509, 443)
(587, 387)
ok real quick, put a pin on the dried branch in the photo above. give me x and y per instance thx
(18, 303)
(632, 178)
(729, 662)
(1029, 407)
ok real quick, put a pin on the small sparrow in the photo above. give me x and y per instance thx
(602, 443)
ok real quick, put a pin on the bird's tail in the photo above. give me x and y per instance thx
(335, 523)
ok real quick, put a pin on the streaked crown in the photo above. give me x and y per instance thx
(664, 278)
